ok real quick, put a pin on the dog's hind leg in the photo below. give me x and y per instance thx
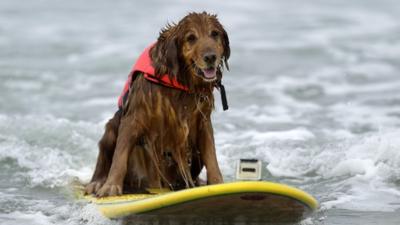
(106, 151)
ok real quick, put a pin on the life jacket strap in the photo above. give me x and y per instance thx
(224, 100)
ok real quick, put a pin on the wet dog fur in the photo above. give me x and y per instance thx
(163, 137)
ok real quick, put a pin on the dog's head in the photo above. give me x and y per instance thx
(196, 47)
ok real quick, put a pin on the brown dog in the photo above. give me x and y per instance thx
(162, 136)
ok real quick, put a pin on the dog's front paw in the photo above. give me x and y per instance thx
(93, 187)
(214, 179)
(109, 190)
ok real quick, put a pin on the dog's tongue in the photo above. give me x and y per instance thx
(209, 73)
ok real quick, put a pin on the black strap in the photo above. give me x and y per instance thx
(223, 95)
(126, 95)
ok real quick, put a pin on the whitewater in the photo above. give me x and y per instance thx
(313, 89)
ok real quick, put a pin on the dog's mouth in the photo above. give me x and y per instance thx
(208, 74)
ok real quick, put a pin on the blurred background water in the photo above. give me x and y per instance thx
(313, 92)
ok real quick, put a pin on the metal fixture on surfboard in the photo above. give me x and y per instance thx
(248, 169)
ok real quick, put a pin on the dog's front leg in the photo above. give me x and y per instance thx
(106, 152)
(208, 153)
(126, 137)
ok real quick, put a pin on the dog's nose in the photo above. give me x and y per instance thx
(209, 58)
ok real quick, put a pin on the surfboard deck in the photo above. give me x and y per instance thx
(247, 201)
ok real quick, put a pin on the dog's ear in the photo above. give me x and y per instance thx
(227, 49)
(164, 54)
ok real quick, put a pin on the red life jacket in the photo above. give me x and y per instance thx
(144, 65)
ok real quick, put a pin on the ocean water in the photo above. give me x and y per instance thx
(313, 92)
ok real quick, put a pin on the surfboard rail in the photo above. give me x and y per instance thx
(124, 205)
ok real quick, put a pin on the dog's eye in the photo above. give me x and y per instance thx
(191, 38)
(214, 34)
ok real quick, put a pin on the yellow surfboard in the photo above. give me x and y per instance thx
(246, 201)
